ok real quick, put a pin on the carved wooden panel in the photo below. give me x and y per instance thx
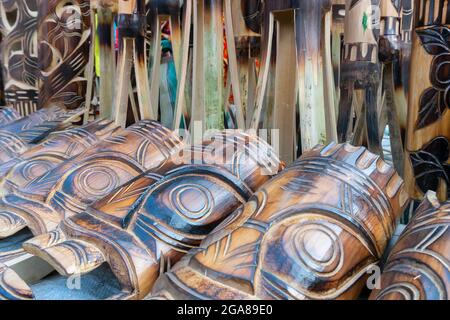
(57, 148)
(428, 132)
(309, 233)
(418, 268)
(18, 136)
(64, 38)
(18, 24)
(149, 223)
(8, 115)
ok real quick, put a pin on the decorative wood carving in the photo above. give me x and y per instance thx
(360, 70)
(56, 149)
(418, 268)
(428, 133)
(309, 233)
(12, 287)
(18, 24)
(8, 115)
(18, 136)
(77, 183)
(301, 30)
(64, 39)
(151, 222)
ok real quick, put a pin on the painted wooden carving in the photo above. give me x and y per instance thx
(64, 39)
(309, 233)
(418, 268)
(428, 133)
(8, 115)
(19, 172)
(360, 70)
(18, 24)
(148, 224)
(301, 31)
(18, 136)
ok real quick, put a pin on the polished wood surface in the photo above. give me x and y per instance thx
(8, 115)
(18, 136)
(428, 132)
(148, 224)
(312, 232)
(56, 149)
(418, 267)
(19, 47)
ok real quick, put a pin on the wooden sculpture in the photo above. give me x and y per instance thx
(8, 115)
(428, 133)
(418, 268)
(18, 24)
(18, 136)
(360, 70)
(146, 225)
(132, 26)
(64, 38)
(309, 233)
(301, 30)
(59, 147)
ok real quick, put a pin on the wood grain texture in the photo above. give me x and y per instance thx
(56, 149)
(418, 267)
(12, 287)
(428, 133)
(19, 47)
(146, 225)
(64, 32)
(309, 233)
(72, 186)
(8, 115)
(20, 135)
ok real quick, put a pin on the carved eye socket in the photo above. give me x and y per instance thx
(315, 246)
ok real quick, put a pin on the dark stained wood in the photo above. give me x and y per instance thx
(418, 267)
(18, 136)
(149, 223)
(428, 133)
(309, 233)
(64, 33)
(56, 149)
(19, 57)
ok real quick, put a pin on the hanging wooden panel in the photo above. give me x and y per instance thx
(418, 267)
(428, 133)
(18, 24)
(309, 233)
(64, 31)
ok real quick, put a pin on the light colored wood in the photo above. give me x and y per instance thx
(233, 65)
(127, 6)
(123, 73)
